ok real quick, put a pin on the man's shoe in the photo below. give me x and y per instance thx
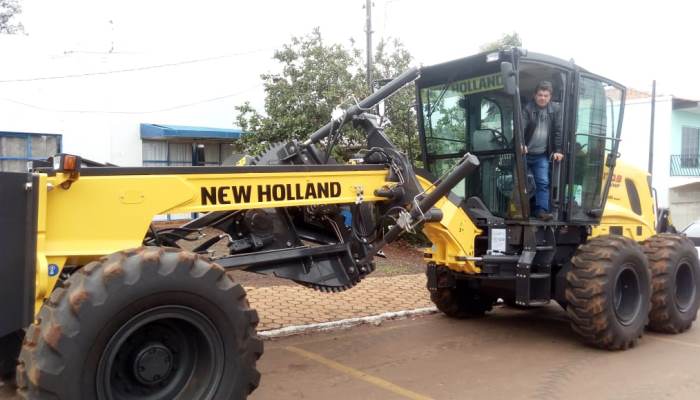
(544, 216)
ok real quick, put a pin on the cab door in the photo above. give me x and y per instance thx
(598, 112)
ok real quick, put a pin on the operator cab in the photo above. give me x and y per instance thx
(465, 106)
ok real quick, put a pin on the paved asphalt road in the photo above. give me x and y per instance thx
(511, 354)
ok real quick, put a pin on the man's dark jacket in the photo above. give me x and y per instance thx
(555, 124)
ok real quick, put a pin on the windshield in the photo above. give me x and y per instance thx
(472, 115)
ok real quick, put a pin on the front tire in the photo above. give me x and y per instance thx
(675, 282)
(150, 323)
(608, 292)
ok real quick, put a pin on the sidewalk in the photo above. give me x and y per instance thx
(280, 306)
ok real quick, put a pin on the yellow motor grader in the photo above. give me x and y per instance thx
(99, 304)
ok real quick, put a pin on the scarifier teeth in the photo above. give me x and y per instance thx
(327, 289)
(332, 289)
(267, 153)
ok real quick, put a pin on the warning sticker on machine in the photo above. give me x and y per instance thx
(498, 240)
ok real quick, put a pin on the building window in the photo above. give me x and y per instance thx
(161, 153)
(690, 147)
(17, 148)
(212, 154)
(633, 196)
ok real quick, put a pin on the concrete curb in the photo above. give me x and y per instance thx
(344, 323)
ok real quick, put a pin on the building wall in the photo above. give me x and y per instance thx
(681, 119)
(685, 190)
(685, 207)
(99, 137)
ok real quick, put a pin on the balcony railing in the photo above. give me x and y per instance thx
(685, 165)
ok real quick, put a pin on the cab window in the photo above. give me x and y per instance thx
(472, 115)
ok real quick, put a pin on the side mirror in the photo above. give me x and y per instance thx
(508, 77)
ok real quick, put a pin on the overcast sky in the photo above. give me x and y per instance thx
(631, 42)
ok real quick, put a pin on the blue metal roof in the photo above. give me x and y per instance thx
(156, 131)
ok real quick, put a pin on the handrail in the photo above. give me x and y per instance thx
(685, 165)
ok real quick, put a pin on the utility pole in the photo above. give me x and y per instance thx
(368, 6)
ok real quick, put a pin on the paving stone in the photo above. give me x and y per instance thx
(280, 306)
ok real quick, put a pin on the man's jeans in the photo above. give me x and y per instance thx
(538, 164)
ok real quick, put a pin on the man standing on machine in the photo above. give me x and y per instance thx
(543, 126)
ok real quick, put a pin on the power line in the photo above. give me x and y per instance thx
(386, 6)
(135, 69)
(209, 100)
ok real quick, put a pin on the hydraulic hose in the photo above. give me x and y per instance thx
(467, 165)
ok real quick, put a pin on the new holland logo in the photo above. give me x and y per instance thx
(478, 84)
(266, 193)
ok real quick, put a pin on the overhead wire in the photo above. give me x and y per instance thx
(134, 69)
(386, 6)
(208, 100)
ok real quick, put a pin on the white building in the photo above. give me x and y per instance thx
(676, 150)
(133, 144)
(94, 103)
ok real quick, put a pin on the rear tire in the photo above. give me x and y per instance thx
(675, 282)
(608, 292)
(142, 324)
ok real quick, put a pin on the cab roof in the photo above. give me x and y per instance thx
(477, 65)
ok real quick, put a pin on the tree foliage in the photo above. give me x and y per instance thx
(507, 40)
(8, 10)
(391, 59)
(316, 77)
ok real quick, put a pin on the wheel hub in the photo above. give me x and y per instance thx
(685, 287)
(627, 295)
(153, 364)
(158, 352)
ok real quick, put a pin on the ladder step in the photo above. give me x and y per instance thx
(539, 275)
(544, 248)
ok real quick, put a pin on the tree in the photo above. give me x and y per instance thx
(8, 10)
(315, 78)
(391, 59)
(507, 40)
